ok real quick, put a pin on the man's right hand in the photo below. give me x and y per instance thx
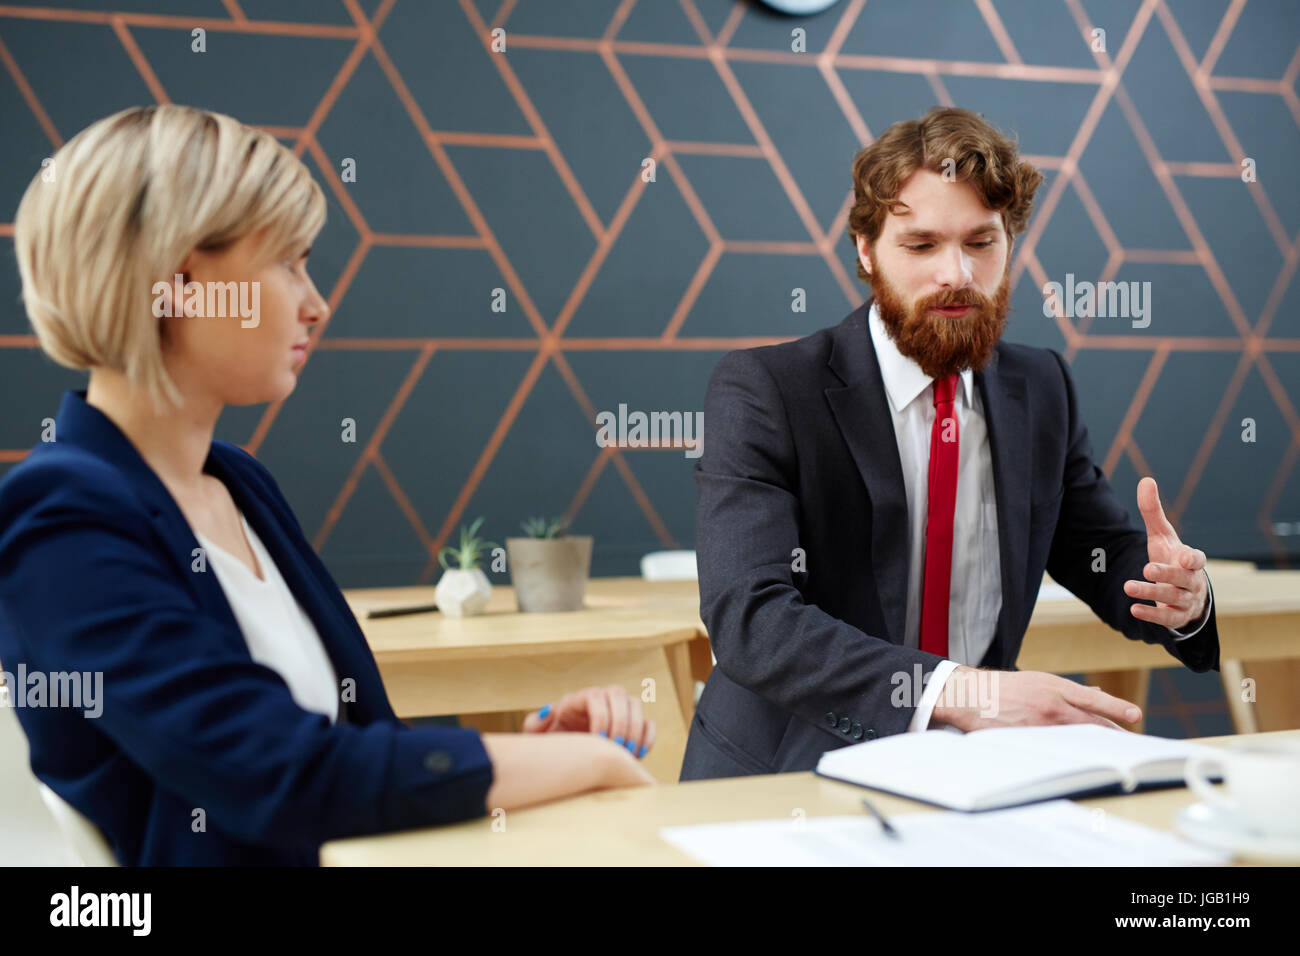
(973, 699)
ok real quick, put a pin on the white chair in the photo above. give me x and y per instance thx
(28, 834)
(669, 566)
(83, 838)
(674, 566)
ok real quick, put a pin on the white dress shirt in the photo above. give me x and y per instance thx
(975, 599)
(277, 630)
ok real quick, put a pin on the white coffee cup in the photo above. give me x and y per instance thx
(1261, 784)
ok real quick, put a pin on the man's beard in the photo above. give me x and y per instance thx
(940, 344)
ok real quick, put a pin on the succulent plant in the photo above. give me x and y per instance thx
(541, 528)
(472, 548)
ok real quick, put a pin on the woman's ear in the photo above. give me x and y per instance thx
(164, 298)
(168, 298)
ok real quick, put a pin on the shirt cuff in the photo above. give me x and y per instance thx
(1209, 604)
(925, 706)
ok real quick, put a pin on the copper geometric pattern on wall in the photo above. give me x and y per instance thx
(516, 176)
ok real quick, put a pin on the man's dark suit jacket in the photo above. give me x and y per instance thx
(802, 454)
(97, 574)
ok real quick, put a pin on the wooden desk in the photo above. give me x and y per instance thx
(1258, 616)
(621, 827)
(491, 667)
(634, 633)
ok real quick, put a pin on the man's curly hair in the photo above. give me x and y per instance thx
(946, 139)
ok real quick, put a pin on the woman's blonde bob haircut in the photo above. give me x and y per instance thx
(120, 207)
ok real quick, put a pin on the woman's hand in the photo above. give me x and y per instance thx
(607, 711)
(528, 769)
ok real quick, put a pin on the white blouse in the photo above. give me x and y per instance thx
(277, 630)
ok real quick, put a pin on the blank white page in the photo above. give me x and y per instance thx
(1056, 833)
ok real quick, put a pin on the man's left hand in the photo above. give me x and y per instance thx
(1174, 572)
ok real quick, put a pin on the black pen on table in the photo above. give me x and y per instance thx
(399, 611)
(884, 824)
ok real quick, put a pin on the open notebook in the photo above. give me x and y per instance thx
(1007, 766)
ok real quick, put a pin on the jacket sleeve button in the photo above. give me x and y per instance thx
(437, 761)
(845, 724)
(857, 731)
(871, 734)
(830, 718)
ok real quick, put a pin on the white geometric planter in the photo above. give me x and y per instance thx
(462, 592)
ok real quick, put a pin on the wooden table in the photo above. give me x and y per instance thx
(1258, 616)
(491, 667)
(487, 669)
(621, 827)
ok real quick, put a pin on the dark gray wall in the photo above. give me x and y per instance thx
(520, 171)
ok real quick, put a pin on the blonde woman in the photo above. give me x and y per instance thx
(165, 250)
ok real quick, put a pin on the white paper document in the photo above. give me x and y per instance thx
(1056, 833)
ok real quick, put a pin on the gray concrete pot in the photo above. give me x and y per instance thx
(549, 574)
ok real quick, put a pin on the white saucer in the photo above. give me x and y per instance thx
(1219, 829)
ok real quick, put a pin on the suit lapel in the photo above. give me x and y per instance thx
(1007, 416)
(861, 411)
(82, 424)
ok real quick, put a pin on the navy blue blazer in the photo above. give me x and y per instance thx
(802, 454)
(95, 576)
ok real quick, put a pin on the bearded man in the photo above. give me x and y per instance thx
(879, 500)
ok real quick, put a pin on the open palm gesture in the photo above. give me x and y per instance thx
(1174, 572)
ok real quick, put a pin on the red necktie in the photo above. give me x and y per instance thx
(944, 443)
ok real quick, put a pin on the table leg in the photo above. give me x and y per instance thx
(1131, 685)
(679, 662)
(1233, 675)
(701, 658)
(1277, 702)
(671, 725)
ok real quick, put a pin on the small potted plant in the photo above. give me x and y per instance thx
(549, 567)
(463, 590)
